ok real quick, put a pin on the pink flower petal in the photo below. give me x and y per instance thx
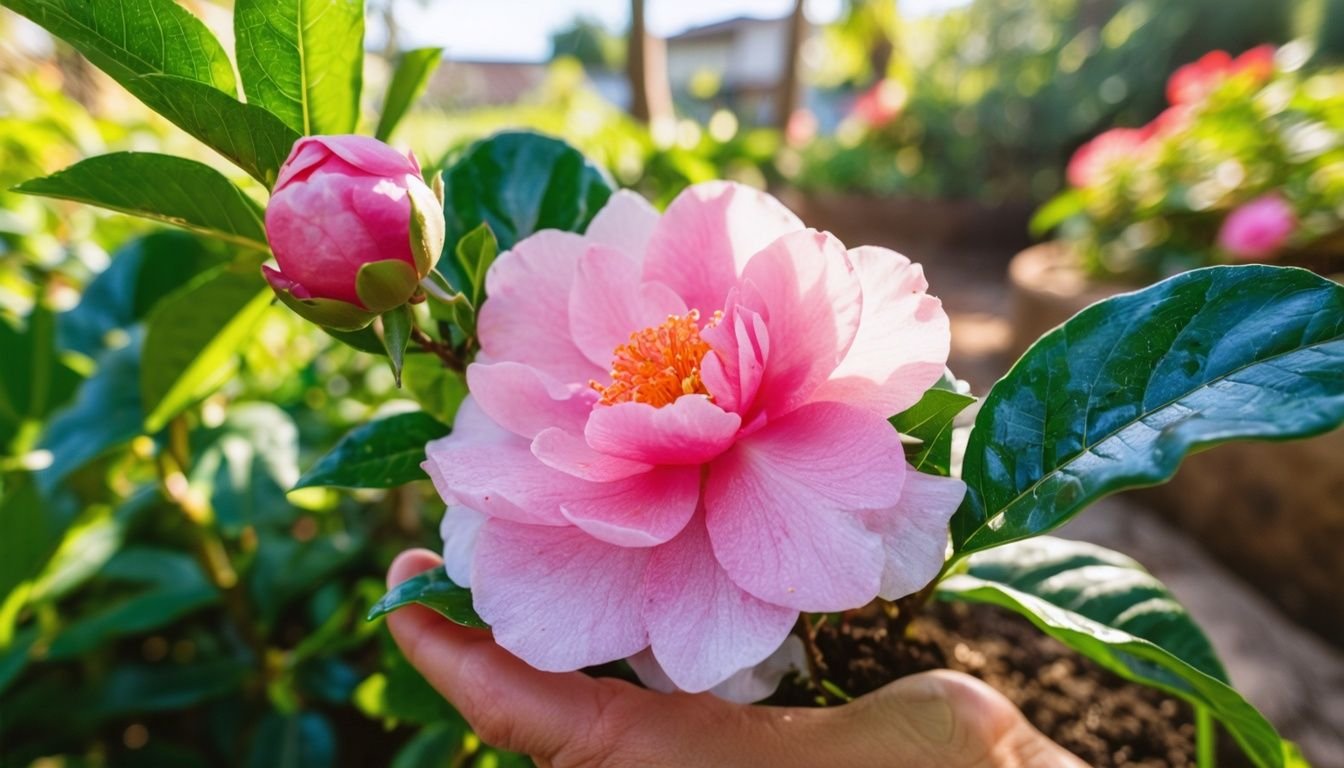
(783, 506)
(571, 454)
(459, 529)
(608, 304)
(638, 511)
(526, 317)
(705, 237)
(903, 340)
(692, 430)
(810, 297)
(625, 223)
(558, 598)
(744, 686)
(526, 401)
(494, 472)
(914, 532)
(741, 348)
(703, 628)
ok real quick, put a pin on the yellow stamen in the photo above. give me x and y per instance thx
(659, 364)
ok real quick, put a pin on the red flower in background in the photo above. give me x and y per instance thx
(1095, 159)
(1193, 82)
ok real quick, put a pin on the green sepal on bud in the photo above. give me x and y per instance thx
(384, 285)
(427, 225)
(328, 313)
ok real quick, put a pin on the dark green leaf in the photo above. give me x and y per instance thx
(365, 339)
(193, 340)
(930, 421)
(519, 183)
(28, 534)
(138, 614)
(286, 569)
(130, 38)
(249, 136)
(400, 694)
(396, 335)
(172, 189)
(432, 589)
(381, 454)
(1117, 396)
(408, 81)
(1105, 606)
(141, 273)
(106, 413)
(135, 688)
(34, 379)
(305, 740)
(303, 60)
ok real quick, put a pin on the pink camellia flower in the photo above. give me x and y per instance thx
(1098, 158)
(1195, 81)
(340, 225)
(677, 440)
(1258, 228)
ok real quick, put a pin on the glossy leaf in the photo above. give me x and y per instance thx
(1117, 396)
(162, 187)
(1105, 606)
(432, 589)
(249, 136)
(130, 38)
(142, 272)
(302, 60)
(518, 183)
(475, 252)
(408, 82)
(930, 422)
(380, 454)
(191, 347)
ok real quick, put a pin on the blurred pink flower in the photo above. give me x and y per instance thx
(1195, 81)
(1096, 159)
(677, 439)
(802, 128)
(339, 203)
(1258, 228)
(880, 104)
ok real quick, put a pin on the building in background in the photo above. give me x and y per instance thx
(735, 64)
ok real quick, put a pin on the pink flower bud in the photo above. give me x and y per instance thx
(1258, 228)
(340, 204)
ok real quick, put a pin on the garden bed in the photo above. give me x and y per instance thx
(1098, 716)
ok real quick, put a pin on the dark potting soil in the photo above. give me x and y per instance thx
(1093, 713)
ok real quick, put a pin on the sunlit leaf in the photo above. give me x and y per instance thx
(930, 422)
(302, 60)
(432, 589)
(408, 82)
(1117, 396)
(380, 454)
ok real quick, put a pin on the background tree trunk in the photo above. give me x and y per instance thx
(646, 68)
(787, 100)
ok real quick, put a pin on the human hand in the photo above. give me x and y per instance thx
(943, 719)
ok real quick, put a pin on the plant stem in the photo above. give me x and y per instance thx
(1205, 739)
(815, 663)
(439, 349)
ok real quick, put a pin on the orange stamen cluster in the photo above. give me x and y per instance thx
(659, 365)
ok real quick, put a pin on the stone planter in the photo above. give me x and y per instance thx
(1273, 512)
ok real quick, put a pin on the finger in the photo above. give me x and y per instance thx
(509, 704)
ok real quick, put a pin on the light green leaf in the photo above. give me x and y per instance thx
(380, 454)
(1105, 606)
(249, 136)
(1117, 396)
(475, 252)
(191, 347)
(302, 60)
(930, 422)
(432, 589)
(162, 187)
(438, 389)
(408, 82)
(129, 38)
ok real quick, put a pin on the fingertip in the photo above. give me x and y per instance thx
(410, 563)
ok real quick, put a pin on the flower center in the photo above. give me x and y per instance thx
(659, 364)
